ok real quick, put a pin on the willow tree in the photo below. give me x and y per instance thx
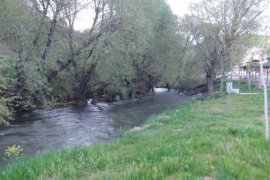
(32, 31)
(216, 26)
(15, 26)
(144, 49)
(164, 51)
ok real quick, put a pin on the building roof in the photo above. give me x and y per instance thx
(255, 64)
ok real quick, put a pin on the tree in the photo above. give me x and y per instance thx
(6, 82)
(217, 26)
(131, 47)
(144, 50)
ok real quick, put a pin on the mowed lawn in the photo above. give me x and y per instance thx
(217, 138)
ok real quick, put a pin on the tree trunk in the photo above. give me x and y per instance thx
(70, 59)
(210, 85)
(49, 39)
(52, 29)
(79, 94)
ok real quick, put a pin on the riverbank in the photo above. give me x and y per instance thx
(218, 138)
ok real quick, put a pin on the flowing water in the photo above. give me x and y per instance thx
(59, 128)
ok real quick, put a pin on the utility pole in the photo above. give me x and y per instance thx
(265, 100)
(249, 83)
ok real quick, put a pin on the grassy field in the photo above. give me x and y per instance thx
(218, 138)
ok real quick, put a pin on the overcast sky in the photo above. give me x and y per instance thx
(180, 7)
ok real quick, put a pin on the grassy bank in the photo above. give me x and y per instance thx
(219, 138)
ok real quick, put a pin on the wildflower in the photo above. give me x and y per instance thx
(14, 150)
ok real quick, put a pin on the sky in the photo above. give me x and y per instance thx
(179, 7)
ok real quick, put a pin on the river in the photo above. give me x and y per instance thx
(44, 130)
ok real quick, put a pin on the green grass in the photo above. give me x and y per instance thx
(244, 88)
(221, 138)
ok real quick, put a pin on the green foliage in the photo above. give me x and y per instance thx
(5, 112)
(219, 36)
(132, 47)
(146, 47)
(256, 39)
(24, 70)
(6, 82)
